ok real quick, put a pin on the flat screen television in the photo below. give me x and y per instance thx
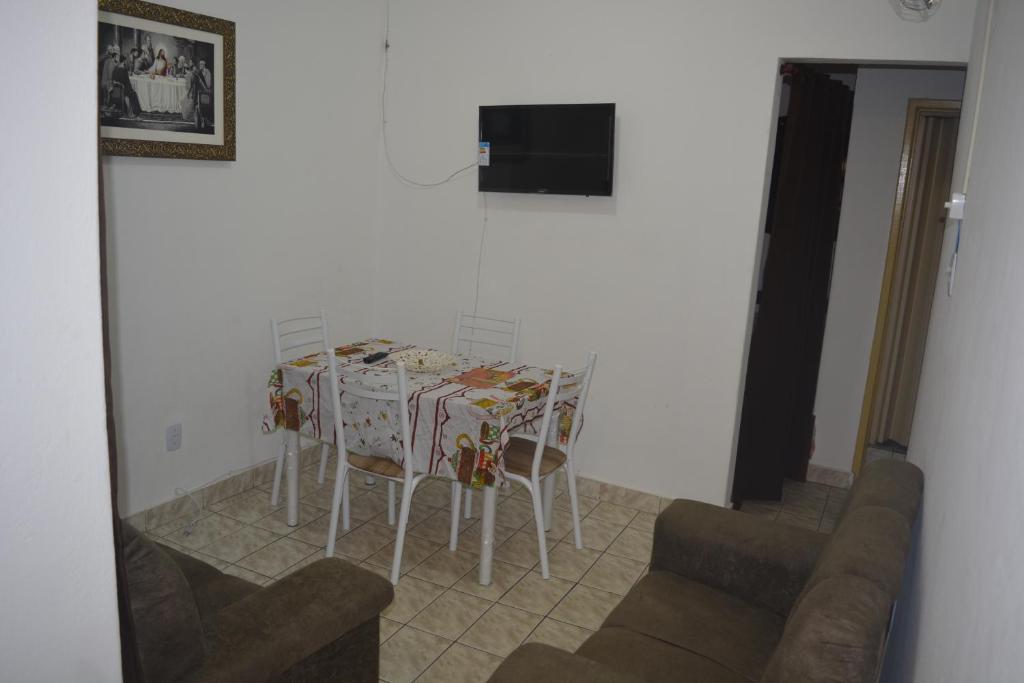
(547, 148)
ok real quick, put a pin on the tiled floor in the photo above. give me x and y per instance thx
(805, 504)
(443, 625)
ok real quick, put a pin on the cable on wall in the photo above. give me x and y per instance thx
(416, 183)
(384, 119)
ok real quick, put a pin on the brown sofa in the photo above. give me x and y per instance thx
(733, 598)
(194, 623)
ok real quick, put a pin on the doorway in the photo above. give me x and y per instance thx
(818, 336)
(908, 285)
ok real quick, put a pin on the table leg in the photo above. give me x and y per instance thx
(487, 534)
(548, 489)
(292, 467)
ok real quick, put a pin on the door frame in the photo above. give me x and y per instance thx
(917, 109)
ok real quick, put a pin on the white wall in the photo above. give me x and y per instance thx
(204, 253)
(964, 616)
(872, 172)
(58, 620)
(658, 278)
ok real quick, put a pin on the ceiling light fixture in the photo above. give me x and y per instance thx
(915, 10)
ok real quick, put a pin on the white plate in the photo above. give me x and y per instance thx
(424, 360)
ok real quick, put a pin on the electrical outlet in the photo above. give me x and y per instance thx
(173, 437)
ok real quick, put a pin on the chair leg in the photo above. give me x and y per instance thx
(275, 493)
(542, 541)
(403, 522)
(574, 503)
(469, 502)
(391, 502)
(548, 486)
(346, 520)
(337, 503)
(453, 534)
(324, 450)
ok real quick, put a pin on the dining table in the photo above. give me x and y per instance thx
(461, 417)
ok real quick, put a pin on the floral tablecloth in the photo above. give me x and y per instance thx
(460, 418)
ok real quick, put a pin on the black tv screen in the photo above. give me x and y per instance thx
(547, 148)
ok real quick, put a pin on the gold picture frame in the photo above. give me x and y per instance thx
(161, 103)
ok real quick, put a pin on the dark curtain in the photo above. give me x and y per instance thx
(777, 424)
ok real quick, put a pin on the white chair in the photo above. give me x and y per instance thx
(488, 337)
(295, 338)
(377, 466)
(534, 464)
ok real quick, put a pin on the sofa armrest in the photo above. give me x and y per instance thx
(756, 559)
(538, 663)
(265, 634)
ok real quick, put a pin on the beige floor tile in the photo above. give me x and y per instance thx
(664, 503)
(411, 596)
(435, 528)
(315, 532)
(206, 531)
(469, 538)
(242, 573)
(587, 504)
(503, 577)
(236, 545)
(388, 628)
(434, 493)
(635, 500)
(644, 521)
(177, 524)
(521, 549)
(414, 551)
(417, 514)
(535, 594)
(451, 614)
(598, 534)
(315, 557)
(408, 653)
(567, 562)
(445, 567)
(461, 664)
(365, 541)
(500, 630)
(636, 545)
(586, 607)
(805, 507)
(793, 519)
(612, 513)
(214, 562)
(371, 504)
(278, 521)
(514, 512)
(613, 574)
(273, 559)
(557, 634)
(321, 497)
(251, 508)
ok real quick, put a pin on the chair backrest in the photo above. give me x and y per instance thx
(495, 337)
(298, 336)
(399, 397)
(577, 390)
(545, 423)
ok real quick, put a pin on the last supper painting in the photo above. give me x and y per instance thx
(165, 82)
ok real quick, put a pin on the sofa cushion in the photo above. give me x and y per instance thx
(872, 543)
(835, 634)
(709, 623)
(653, 660)
(168, 631)
(212, 589)
(892, 484)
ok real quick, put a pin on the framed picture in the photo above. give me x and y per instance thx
(166, 83)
